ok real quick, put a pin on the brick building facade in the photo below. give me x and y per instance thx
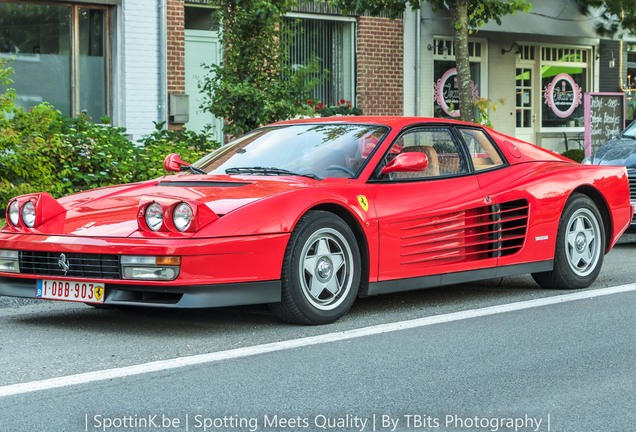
(378, 76)
(380, 66)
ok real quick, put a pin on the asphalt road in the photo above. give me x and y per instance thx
(568, 365)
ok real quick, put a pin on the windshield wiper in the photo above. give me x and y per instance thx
(192, 169)
(268, 171)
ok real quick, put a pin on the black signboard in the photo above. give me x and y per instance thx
(604, 118)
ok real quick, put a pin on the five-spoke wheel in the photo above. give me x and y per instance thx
(321, 271)
(579, 249)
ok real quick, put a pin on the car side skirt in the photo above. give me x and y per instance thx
(434, 281)
(178, 297)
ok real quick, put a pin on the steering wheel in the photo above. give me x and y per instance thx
(340, 168)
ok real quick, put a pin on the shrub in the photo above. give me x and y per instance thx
(577, 155)
(43, 150)
(255, 84)
(343, 107)
(190, 145)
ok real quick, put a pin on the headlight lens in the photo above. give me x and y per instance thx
(154, 216)
(150, 267)
(28, 214)
(9, 261)
(14, 212)
(182, 216)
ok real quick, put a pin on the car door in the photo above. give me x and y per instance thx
(435, 221)
(512, 210)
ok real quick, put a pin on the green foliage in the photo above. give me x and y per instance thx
(190, 145)
(466, 16)
(43, 150)
(483, 107)
(255, 85)
(343, 107)
(481, 11)
(616, 15)
(577, 155)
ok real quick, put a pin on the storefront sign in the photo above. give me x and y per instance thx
(563, 95)
(604, 118)
(446, 92)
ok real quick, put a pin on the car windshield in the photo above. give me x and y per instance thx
(630, 132)
(311, 150)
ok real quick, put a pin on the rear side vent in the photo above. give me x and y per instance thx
(509, 227)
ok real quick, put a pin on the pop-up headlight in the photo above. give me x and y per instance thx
(14, 212)
(182, 216)
(28, 214)
(154, 216)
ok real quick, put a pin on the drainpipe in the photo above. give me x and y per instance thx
(418, 34)
(163, 60)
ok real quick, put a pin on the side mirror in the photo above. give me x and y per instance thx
(173, 162)
(407, 162)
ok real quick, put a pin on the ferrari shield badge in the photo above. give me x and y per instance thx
(99, 292)
(364, 203)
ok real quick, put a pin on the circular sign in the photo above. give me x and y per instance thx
(447, 92)
(563, 95)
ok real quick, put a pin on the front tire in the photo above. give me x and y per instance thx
(580, 247)
(321, 271)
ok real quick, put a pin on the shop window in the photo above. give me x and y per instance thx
(331, 42)
(564, 79)
(446, 93)
(50, 66)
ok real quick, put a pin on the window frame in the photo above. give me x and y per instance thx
(350, 77)
(459, 143)
(478, 54)
(75, 84)
(587, 65)
(494, 146)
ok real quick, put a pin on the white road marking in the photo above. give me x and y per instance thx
(162, 365)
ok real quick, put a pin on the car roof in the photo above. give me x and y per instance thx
(391, 121)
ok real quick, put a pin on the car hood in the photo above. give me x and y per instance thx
(112, 211)
(617, 151)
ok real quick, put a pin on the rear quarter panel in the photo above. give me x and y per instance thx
(547, 186)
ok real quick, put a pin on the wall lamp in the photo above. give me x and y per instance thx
(612, 61)
(441, 47)
(513, 46)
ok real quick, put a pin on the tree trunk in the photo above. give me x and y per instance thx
(459, 17)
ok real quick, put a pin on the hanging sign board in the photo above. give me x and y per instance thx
(604, 118)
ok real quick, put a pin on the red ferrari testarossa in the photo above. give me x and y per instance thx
(307, 215)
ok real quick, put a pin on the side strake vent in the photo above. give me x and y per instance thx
(471, 235)
(510, 223)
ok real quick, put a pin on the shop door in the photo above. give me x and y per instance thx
(526, 111)
(201, 47)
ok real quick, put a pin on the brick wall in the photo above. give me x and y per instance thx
(175, 49)
(379, 66)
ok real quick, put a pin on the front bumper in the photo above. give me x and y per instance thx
(178, 297)
(214, 272)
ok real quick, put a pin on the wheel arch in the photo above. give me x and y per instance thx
(361, 239)
(603, 209)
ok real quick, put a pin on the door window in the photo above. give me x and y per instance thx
(441, 150)
(482, 152)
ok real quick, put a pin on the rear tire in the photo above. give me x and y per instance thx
(580, 247)
(321, 271)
